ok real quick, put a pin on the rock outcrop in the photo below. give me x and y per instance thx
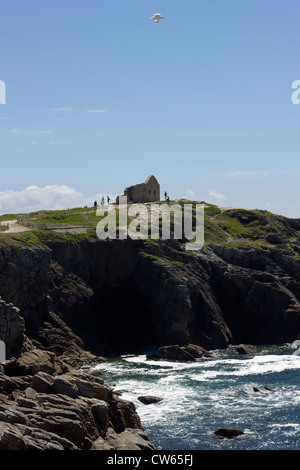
(103, 296)
(12, 327)
(65, 305)
(73, 411)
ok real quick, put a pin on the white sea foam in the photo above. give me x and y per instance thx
(211, 392)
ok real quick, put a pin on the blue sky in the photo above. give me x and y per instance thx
(98, 97)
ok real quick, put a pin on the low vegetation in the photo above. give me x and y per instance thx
(232, 227)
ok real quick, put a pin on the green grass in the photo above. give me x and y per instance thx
(9, 217)
(233, 227)
(41, 238)
(162, 260)
(212, 211)
(48, 219)
(24, 239)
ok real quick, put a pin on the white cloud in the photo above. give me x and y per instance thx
(191, 194)
(218, 196)
(96, 111)
(248, 173)
(19, 132)
(271, 205)
(88, 110)
(34, 198)
(62, 110)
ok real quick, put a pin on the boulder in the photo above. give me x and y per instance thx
(91, 389)
(9, 384)
(244, 349)
(64, 387)
(31, 362)
(228, 433)
(267, 389)
(147, 400)
(85, 388)
(100, 410)
(41, 382)
(30, 393)
(190, 352)
(123, 415)
(26, 403)
(130, 439)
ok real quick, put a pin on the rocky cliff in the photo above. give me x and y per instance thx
(106, 296)
(66, 303)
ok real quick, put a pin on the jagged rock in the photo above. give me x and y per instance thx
(267, 389)
(41, 382)
(100, 410)
(31, 362)
(26, 403)
(9, 384)
(85, 388)
(244, 349)
(228, 433)
(148, 400)
(44, 412)
(130, 439)
(20, 437)
(123, 415)
(93, 390)
(10, 414)
(189, 352)
(63, 386)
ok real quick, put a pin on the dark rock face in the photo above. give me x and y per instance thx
(117, 295)
(12, 327)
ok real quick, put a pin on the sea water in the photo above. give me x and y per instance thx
(200, 397)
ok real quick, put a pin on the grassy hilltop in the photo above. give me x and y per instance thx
(229, 227)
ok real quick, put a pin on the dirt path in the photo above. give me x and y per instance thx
(229, 208)
(14, 227)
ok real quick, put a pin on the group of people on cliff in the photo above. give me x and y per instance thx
(102, 202)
